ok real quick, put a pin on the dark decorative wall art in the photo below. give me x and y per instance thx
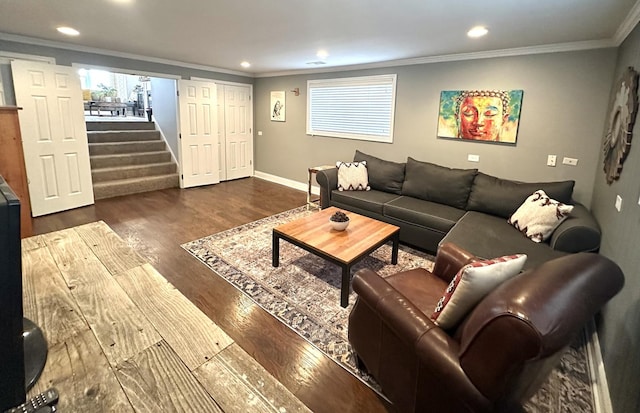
(622, 116)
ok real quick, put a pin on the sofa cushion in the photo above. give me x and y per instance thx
(371, 201)
(423, 213)
(471, 284)
(437, 183)
(352, 176)
(491, 236)
(539, 216)
(384, 175)
(503, 197)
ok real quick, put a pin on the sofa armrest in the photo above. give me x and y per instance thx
(450, 259)
(578, 233)
(400, 315)
(328, 181)
(439, 371)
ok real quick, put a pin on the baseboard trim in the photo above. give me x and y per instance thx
(599, 385)
(301, 186)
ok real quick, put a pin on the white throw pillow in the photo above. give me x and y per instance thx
(471, 284)
(353, 176)
(539, 216)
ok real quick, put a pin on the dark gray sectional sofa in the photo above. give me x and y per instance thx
(433, 204)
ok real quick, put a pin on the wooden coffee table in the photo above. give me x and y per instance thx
(344, 248)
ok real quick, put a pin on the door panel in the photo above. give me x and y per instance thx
(3, 100)
(238, 132)
(198, 133)
(222, 157)
(54, 136)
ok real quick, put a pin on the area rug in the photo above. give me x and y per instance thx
(304, 293)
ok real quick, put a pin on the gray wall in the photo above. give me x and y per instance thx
(620, 325)
(165, 110)
(563, 110)
(66, 57)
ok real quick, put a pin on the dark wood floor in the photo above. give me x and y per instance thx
(156, 223)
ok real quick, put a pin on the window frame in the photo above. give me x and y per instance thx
(360, 81)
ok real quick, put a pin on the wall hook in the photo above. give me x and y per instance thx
(296, 91)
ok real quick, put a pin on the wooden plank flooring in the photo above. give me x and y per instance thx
(154, 225)
(121, 338)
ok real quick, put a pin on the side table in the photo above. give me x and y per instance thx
(314, 202)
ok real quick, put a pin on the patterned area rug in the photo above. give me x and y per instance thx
(304, 293)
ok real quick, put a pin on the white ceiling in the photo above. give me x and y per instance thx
(282, 36)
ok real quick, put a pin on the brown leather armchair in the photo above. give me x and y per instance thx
(501, 352)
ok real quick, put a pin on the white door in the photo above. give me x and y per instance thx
(3, 100)
(238, 132)
(54, 136)
(222, 157)
(198, 133)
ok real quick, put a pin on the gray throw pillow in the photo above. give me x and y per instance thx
(503, 197)
(437, 183)
(384, 175)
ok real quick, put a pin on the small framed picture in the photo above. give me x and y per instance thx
(278, 106)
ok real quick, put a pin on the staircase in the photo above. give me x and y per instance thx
(128, 158)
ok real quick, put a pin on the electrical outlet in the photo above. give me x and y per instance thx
(618, 203)
(259, 133)
(473, 158)
(569, 161)
(551, 160)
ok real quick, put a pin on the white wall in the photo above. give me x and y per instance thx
(164, 104)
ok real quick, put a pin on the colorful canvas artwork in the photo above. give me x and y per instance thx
(480, 115)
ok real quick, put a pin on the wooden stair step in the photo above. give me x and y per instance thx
(132, 171)
(120, 125)
(125, 147)
(109, 161)
(109, 189)
(123, 136)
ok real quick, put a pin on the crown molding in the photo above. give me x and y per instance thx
(628, 24)
(78, 48)
(519, 51)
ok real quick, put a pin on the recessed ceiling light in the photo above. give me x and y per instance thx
(69, 31)
(477, 31)
(322, 54)
(245, 64)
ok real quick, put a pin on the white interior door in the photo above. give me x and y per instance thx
(198, 133)
(54, 136)
(3, 100)
(238, 132)
(222, 156)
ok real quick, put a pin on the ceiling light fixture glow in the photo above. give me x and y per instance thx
(322, 54)
(69, 31)
(477, 31)
(245, 64)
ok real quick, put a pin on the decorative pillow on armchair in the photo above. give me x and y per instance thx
(353, 176)
(539, 216)
(471, 284)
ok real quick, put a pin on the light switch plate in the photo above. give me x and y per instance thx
(618, 203)
(551, 160)
(473, 158)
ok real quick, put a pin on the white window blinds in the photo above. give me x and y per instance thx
(354, 108)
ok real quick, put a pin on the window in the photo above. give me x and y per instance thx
(354, 108)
